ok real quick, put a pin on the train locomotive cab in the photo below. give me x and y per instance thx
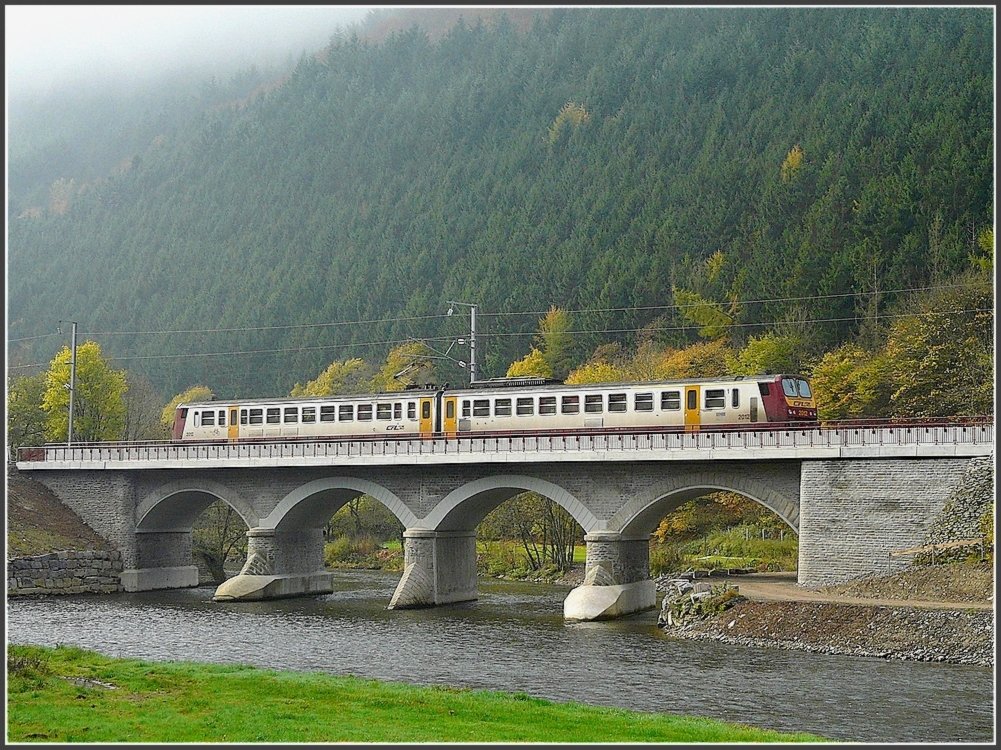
(788, 399)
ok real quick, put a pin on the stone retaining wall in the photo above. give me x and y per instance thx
(92, 572)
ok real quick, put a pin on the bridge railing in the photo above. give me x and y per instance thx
(823, 437)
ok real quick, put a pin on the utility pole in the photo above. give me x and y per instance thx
(472, 335)
(69, 432)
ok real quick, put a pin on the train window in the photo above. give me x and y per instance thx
(398, 410)
(693, 399)
(715, 399)
(570, 405)
(481, 407)
(327, 413)
(208, 419)
(764, 388)
(502, 407)
(257, 416)
(643, 402)
(198, 419)
(346, 413)
(789, 388)
(616, 402)
(594, 403)
(450, 409)
(425, 410)
(222, 418)
(465, 408)
(670, 401)
(383, 411)
(232, 416)
(735, 398)
(308, 414)
(412, 410)
(243, 416)
(364, 412)
(547, 404)
(291, 414)
(525, 407)
(274, 416)
(804, 389)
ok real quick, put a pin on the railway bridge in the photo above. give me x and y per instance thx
(852, 494)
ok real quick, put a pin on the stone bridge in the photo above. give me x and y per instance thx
(852, 496)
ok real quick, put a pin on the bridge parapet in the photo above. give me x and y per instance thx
(961, 440)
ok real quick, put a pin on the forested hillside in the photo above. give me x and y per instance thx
(826, 160)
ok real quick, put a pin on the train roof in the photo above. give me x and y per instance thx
(494, 386)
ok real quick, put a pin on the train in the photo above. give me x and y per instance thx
(508, 406)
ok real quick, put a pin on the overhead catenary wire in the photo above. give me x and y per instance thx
(496, 314)
(323, 347)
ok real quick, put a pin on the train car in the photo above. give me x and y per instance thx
(508, 406)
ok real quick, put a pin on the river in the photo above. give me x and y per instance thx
(514, 639)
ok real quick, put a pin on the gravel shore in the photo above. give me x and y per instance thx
(916, 627)
(960, 637)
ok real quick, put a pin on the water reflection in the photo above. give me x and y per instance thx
(514, 639)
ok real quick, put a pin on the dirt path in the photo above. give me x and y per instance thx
(782, 587)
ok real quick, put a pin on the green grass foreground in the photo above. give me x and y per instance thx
(66, 694)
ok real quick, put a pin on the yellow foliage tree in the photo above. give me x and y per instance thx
(99, 399)
(405, 365)
(792, 163)
(597, 372)
(533, 363)
(573, 115)
(349, 376)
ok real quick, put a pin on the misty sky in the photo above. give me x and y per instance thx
(49, 44)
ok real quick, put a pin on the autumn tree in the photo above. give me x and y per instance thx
(942, 355)
(407, 364)
(219, 536)
(26, 420)
(768, 353)
(554, 340)
(99, 400)
(533, 363)
(193, 394)
(349, 376)
(143, 412)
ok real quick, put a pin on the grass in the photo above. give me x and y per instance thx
(70, 695)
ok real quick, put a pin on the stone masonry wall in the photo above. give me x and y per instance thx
(960, 518)
(92, 572)
(854, 513)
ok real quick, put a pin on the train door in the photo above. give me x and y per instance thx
(451, 416)
(425, 423)
(234, 423)
(692, 396)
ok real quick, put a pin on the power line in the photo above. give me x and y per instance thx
(195, 355)
(264, 328)
(490, 314)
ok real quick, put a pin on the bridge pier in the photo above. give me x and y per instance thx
(279, 564)
(163, 561)
(616, 579)
(439, 568)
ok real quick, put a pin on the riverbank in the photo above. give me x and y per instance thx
(66, 694)
(928, 613)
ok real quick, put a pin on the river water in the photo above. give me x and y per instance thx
(514, 639)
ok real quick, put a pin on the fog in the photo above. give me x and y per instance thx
(48, 46)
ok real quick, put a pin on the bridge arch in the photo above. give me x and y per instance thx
(640, 516)
(312, 504)
(175, 506)
(464, 508)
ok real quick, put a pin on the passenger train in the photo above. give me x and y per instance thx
(508, 406)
